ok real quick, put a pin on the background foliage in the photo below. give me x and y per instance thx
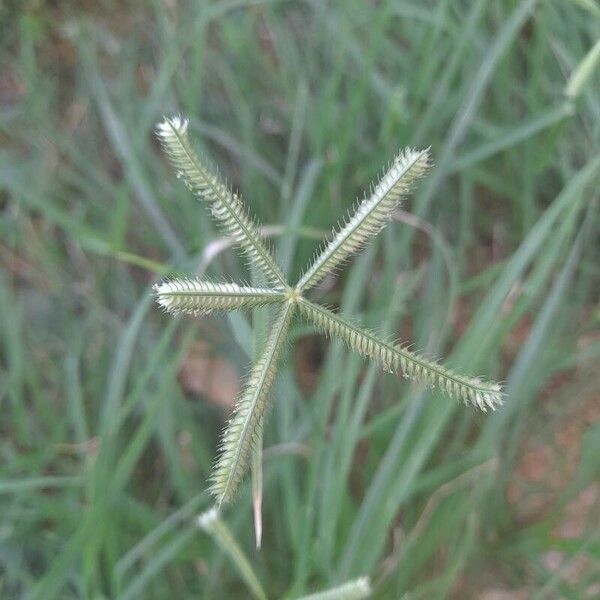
(109, 412)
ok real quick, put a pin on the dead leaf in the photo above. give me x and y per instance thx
(213, 378)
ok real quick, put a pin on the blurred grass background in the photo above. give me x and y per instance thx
(111, 411)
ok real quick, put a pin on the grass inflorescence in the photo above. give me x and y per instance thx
(110, 418)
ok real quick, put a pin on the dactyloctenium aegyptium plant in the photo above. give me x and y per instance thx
(197, 297)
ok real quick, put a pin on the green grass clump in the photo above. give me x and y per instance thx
(105, 446)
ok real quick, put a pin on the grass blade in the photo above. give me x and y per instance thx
(352, 590)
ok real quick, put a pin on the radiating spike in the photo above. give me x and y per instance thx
(226, 206)
(237, 439)
(402, 361)
(369, 217)
(196, 297)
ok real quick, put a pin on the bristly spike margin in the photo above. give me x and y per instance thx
(240, 433)
(226, 206)
(195, 297)
(397, 359)
(370, 216)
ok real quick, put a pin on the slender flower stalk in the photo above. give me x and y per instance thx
(211, 523)
(196, 297)
(351, 590)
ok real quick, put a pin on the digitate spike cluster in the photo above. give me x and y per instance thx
(196, 297)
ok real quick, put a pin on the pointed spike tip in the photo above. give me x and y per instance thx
(168, 124)
(206, 519)
(364, 585)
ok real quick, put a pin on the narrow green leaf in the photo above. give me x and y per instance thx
(583, 72)
(116, 132)
(17, 486)
(156, 564)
